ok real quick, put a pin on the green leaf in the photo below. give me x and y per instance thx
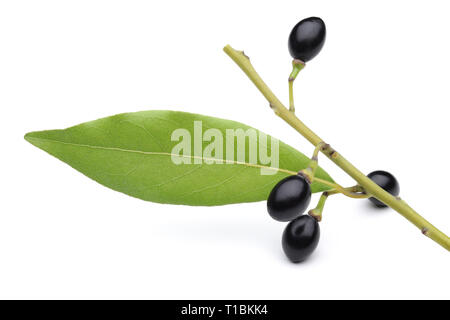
(133, 153)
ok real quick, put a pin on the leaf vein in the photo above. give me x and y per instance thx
(224, 161)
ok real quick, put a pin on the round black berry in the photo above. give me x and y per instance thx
(307, 38)
(289, 198)
(386, 181)
(300, 238)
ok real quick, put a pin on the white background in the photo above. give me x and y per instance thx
(378, 92)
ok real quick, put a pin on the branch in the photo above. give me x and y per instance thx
(369, 186)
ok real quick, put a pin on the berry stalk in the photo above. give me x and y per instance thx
(369, 186)
(297, 66)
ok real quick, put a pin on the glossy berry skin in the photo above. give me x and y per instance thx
(289, 198)
(300, 238)
(307, 39)
(386, 181)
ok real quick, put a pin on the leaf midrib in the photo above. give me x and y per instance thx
(27, 137)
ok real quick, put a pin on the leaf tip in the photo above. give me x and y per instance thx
(27, 136)
(31, 137)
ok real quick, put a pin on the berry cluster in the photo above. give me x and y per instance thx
(290, 198)
(288, 201)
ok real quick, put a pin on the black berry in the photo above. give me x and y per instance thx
(386, 181)
(307, 38)
(300, 238)
(289, 198)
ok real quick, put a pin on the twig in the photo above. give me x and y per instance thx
(369, 186)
